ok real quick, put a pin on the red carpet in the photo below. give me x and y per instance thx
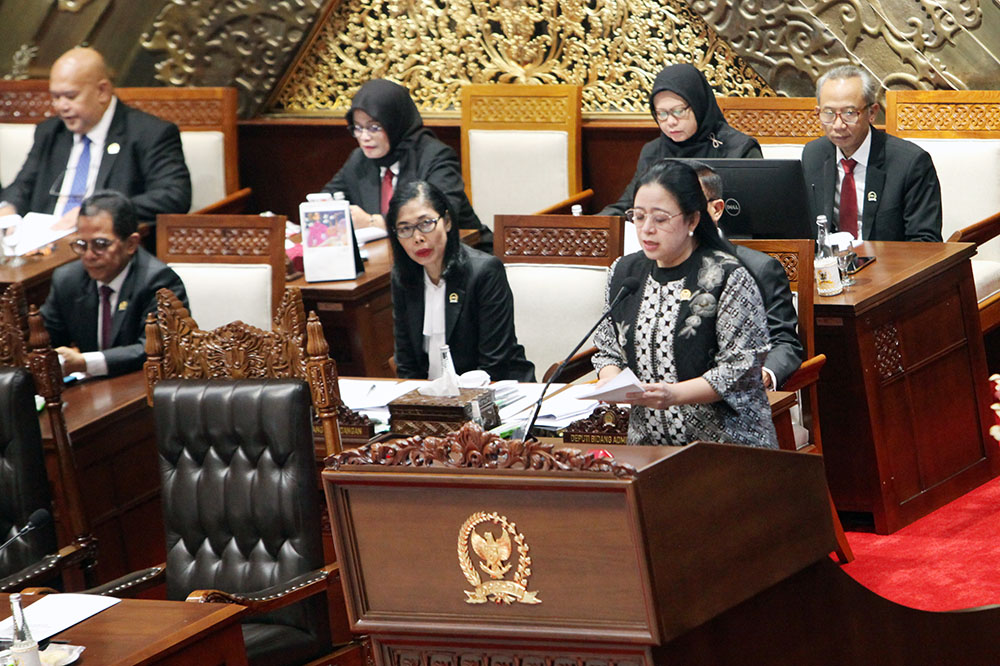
(948, 559)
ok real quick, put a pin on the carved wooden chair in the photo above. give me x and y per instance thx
(206, 118)
(24, 343)
(557, 267)
(782, 125)
(521, 149)
(233, 266)
(959, 129)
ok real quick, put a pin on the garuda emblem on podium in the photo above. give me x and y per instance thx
(493, 553)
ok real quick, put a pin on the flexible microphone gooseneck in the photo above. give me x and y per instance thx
(629, 285)
(38, 518)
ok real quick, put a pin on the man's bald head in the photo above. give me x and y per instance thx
(81, 89)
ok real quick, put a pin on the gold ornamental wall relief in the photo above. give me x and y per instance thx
(481, 550)
(611, 48)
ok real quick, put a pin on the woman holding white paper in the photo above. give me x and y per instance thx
(694, 332)
(444, 292)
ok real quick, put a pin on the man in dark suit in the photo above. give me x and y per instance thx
(893, 191)
(96, 308)
(97, 142)
(786, 349)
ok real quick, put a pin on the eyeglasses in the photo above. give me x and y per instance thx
(849, 116)
(97, 245)
(676, 114)
(423, 226)
(358, 130)
(659, 220)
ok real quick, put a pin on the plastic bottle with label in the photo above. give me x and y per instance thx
(825, 264)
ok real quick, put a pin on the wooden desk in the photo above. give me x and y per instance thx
(143, 631)
(36, 272)
(357, 314)
(111, 428)
(904, 400)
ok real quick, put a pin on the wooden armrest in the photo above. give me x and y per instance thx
(277, 596)
(575, 368)
(807, 374)
(132, 583)
(81, 554)
(565, 206)
(39, 590)
(234, 204)
(978, 233)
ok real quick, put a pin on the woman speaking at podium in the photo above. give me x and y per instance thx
(444, 292)
(691, 126)
(394, 148)
(694, 332)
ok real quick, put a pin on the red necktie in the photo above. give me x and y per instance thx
(106, 292)
(848, 199)
(386, 190)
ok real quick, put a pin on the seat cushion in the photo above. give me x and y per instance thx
(986, 275)
(15, 144)
(279, 644)
(517, 172)
(223, 293)
(782, 151)
(205, 155)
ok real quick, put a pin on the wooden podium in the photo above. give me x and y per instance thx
(474, 551)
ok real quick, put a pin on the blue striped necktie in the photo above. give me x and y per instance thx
(79, 189)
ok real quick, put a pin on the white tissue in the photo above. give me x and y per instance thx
(444, 386)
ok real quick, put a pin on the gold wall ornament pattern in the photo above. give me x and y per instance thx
(21, 61)
(494, 553)
(243, 43)
(612, 49)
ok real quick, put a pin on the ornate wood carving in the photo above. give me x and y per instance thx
(555, 242)
(13, 326)
(25, 105)
(418, 655)
(956, 117)
(187, 113)
(775, 123)
(519, 109)
(471, 447)
(888, 352)
(790, 262)
(218, 241)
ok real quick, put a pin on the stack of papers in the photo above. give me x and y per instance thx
(33, 231)
(57, 612)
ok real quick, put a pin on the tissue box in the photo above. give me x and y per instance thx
(416, 414)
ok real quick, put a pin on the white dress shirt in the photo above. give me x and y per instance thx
(434, 324)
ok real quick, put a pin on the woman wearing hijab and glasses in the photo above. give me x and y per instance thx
(445, 292)
(394, 148)
(691, 126)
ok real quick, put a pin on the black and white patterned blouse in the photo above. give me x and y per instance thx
(743, 414)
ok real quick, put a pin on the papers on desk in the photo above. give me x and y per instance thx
(33, 231)
(371, 396)
(617, 389)
(369, 234)
(57, 612)
(565, 407)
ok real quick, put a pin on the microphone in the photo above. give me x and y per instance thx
(38, 518)
(629, 285)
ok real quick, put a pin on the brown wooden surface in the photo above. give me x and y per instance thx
(139, 632)
(36, 272)
(903, 396)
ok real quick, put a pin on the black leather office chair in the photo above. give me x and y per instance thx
(24, 485)
(241, 510)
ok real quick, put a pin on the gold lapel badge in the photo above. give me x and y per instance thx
(122, 306)
(872, 196)
(453, 297)
(114, 148)
(685, 294)
(494, 554)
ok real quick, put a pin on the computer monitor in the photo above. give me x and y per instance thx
(764, 198)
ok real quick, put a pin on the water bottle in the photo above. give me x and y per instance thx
(577, 210)
(24, 649)
(447, 365)
(825, 264)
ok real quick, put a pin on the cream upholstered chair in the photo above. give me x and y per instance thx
(232, 266)
(557, 267)
(521, 148)
(961, 131)
(206, 118)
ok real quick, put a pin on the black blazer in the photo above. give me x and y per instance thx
(148, 166)
(786, 349)
(902, 198)
(72, 308)
(479, 321)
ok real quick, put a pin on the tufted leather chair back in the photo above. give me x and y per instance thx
(24, 485)
(240, 499)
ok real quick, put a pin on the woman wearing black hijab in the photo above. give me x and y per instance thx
(392, 138)
(691, 126)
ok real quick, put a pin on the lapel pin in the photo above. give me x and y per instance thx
(113, 148)
(122, 306)
(872, 196)
(685, 294)
(453, 297)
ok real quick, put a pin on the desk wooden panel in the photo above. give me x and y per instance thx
(36, 273)
(138, 632)
(111, 428)
(903, 397)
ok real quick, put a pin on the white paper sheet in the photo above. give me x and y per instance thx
(623, 383)
(57, 612)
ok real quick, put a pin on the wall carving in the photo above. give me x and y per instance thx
(612, 49)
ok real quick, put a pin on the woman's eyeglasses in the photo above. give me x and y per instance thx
(358, 130)
(638, 217)
(423, 226)
(97, 245)
(676, 114)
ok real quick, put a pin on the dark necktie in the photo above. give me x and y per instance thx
(848, 199)
(79, 189)
(106, 292)
(386, 191)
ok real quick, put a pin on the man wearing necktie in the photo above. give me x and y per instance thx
(96, 309)
(866, 182)
(98, 142)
